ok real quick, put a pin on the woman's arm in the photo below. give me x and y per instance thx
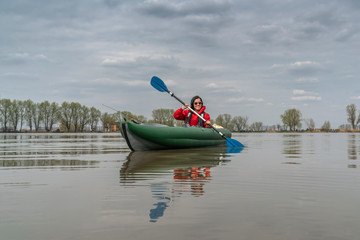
(180, 114)
(207, 118)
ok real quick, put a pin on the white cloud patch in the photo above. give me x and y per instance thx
(303, 92)
(223, 88)
(302, 95)
(124, 58)
(22, 75)
(113, 82)
(245, 99)
(307, 80)
(355, 98)
(105, 81)
(306, 98)
(297, 65)
(212, 85)
(298, 92)
(300, 68)
(23, 57)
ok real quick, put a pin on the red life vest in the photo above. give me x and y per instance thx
(190, 118)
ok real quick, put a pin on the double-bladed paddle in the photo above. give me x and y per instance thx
(159, 85)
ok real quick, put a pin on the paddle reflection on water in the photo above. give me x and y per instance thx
(190, 170)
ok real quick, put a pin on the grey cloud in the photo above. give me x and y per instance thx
(296, 26)
(190, 16)
(346, 33)
(309, 31)
(208, 24)
(352, 3)
(327, 17)
(112, 3)
(160, 10)
(200, 40)
(166, 9)
(266, 33)
(326, 20)
(50, 9)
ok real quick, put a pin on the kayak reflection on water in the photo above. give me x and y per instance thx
(190, 170)
(195, 177)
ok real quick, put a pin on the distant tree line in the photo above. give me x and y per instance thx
(17, 116)
(292, 120)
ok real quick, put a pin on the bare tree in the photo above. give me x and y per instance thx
(84, 117)
(256, 126)
(224, 120)
(54, 115)
(37, 116)
(106, 120)
(141, 118)
(5, 109)
(292, 119)
(94, 118)
(326, 126)
(127, 116)
(239, 123)
(15, 113)
(310, 124)
(75, 116)
(163, 116)
(44, 109)
(28, 105)
(117, 116)
(50, 114)
(22, 111)
(65, 116)
(351, 113)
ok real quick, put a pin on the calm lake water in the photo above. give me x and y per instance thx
(90, 186)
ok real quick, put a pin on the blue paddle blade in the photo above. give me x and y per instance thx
(158, 84)
(233, 143)
(234, 149)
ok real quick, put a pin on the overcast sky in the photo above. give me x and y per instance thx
(254, 58)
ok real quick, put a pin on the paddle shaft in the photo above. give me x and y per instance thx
(192, 110)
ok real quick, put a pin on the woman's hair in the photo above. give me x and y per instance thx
(193, 100)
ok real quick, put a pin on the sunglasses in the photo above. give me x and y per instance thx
(197, 103)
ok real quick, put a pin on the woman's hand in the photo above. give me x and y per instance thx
(185, 106)
(207, 122)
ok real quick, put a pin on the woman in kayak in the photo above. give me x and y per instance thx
(190, 119)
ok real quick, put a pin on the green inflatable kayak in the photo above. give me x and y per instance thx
(142, 137)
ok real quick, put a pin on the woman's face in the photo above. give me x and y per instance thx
(197, 104)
